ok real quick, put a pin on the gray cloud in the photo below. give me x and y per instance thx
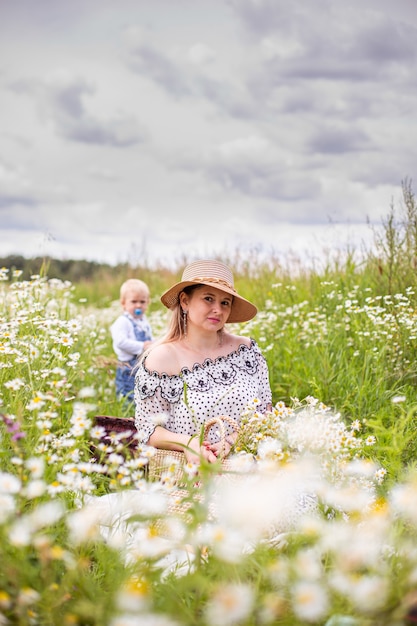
(16, 188)
(339, 139)
(186, 78)
(19, 213)
(148, 61)
(340, 45)
(15, 200)
(252, 166)
(64, 98)
(61, 100)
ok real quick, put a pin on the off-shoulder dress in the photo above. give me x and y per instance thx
(183, 403)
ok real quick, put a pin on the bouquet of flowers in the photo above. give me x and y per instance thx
(311, 429)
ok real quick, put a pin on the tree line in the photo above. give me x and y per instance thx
(73, 270)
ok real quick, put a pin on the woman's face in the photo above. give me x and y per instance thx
(208, 308)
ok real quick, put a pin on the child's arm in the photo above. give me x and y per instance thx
(125, 345)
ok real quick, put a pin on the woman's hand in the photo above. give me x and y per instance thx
(208, 451)
(222, 449)
(194, 452)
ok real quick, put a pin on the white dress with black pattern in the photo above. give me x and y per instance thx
(223, 386)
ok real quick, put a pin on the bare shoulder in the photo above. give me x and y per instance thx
(235, 341)
(163, 359)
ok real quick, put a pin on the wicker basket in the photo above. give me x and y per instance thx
(170, 463)
(115, 426)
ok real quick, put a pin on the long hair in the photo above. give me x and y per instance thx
(176, 325)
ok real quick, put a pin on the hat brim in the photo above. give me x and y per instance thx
(242, 309)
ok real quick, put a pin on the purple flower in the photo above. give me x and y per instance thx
(13, 428)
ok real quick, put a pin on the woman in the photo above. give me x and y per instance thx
(199, 370)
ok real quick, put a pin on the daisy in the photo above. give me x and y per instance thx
(230, 604)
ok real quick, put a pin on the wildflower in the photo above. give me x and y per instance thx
(115, 459)
(97, 432)
(148, 542)
(228, 544)
(160, 419)
(37, 402)
(5, 600)
(4, 271)
(49, 415)
(403, 499)
(398, 399)
(379, 475)
(229, 605)
(83, 525)
(9, 484)
(35, 488)
(46, 514)
(270, 447)
(254, 504)
(13, 427)
(33, 351)
(367, 593)
(349, 497)
(65, 340)
(134, 595)
(242, 463)
(7, 507)
(74, 325)
(310, 601)
(307, 564)
(15, 384)
(36, 466)
(55, 488)
(273, 608)
(360, 467)
(190, 469)
(179, 561)
(87, 392)
(80, 427)
(20, 533)
(44, 425)
(73, 359)
(57, 384)
(27, 596)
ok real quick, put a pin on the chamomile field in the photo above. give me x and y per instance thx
(315, 524)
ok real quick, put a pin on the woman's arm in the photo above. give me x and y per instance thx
(151, 412)
(163, 438)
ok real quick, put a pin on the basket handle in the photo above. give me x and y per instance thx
(220, 421)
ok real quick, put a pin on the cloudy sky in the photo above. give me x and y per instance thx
(135, 130)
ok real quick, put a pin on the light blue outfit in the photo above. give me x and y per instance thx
(129, 335)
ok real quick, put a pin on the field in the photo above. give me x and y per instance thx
(87, 539)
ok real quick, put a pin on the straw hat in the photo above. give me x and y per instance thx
(212, 274)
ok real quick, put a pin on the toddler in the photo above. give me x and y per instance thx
(131, 334)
